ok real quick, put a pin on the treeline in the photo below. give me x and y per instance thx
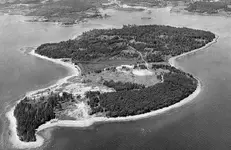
(140, 66)
(102, 44)
(30, 113)
(170, 68)
(154, 58)
(94, 102)
(123, 86)
(63, 9)
(176, 87)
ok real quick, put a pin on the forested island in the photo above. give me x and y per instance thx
(221, 7)
(132, 60)
(208, 7)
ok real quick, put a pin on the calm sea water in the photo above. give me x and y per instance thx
(20, 72)
(204, 123)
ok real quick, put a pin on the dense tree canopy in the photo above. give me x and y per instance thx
(177, 85)
(101, 44)
(120, 86)
(30, 114)
(208, 7)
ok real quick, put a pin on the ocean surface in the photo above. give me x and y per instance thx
(204, 123)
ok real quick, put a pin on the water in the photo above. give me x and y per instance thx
(20, 72)
(204, 123)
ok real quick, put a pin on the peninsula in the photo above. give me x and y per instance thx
(120, 73)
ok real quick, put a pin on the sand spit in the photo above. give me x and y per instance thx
(74, 70)
(89, 120)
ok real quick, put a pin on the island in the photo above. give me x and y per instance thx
(120, 72)
(209, 7)
(65, 12)
(70, 12)
(221, 8)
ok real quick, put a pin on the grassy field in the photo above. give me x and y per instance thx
(91, 67)
(125, 74)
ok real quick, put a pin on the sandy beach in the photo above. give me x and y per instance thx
(88, 121)
(73, 70)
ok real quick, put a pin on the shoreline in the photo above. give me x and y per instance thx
(90, 121)
(14, 138)
(172, 60)
(74, 70)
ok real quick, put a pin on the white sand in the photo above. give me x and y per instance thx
(81, 89)
(89, 120)
(80, 110)
(70, 66)
(134, 7)
(142, 72)
(123, 5)
(74, 70)
(137, 72)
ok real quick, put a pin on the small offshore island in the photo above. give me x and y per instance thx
(120, 72)
(214, 8)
